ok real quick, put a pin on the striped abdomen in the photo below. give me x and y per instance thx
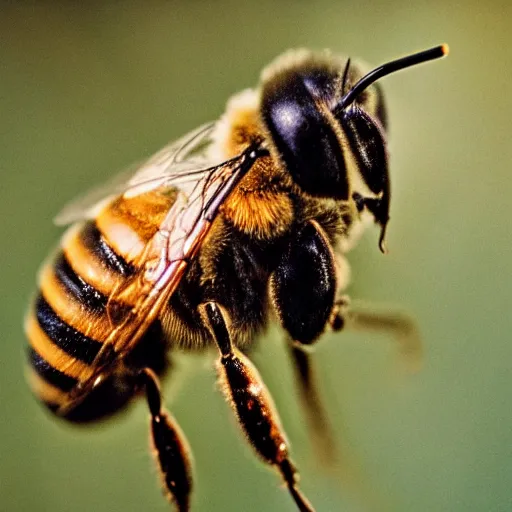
(68, 321)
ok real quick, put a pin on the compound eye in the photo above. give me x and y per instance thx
(304, 138)
(367, 143)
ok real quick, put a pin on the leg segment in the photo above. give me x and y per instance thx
(170, 446)
(303, 289)
(252, 404)
(318, 420)
(303, 286)
(397, 324)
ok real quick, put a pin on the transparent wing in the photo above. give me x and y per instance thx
(180, 161)
(163, 262)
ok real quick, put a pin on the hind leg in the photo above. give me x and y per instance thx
(171, 449)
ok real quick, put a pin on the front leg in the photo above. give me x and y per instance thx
(302, 290)
(303, 286)
(252, 403)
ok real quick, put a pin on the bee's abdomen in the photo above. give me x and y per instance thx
(68, 322)
(72, 315)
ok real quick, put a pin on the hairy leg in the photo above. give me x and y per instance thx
(252, 403)
(170, 447)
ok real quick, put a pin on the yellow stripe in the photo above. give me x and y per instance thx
(120, 236)
(45, 391)
(129, 223)
(87, 265)
(95, 326)
(52, 354)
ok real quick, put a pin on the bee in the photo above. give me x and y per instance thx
(243, 220)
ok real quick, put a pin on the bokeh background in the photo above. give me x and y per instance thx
(87, 89)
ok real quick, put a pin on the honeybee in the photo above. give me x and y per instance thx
(239, 221)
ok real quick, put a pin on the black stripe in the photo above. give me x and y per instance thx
(77, 288)
(50, 374)
(67, 338)
(94, 241)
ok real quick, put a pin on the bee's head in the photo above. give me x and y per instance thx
(328, 133)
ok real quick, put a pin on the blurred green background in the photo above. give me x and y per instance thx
(86, 90)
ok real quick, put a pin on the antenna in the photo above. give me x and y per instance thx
(390, 67)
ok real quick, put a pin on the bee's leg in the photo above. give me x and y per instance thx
(303, 289)
(303, 286)
(319, 426)
(170, 446)
(252, 403)
(397, 324)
